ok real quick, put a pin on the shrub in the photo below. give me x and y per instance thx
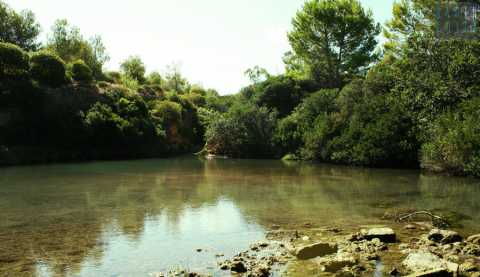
(113, 77)
(454, 143)
(245, 131)
(168, 111)
(106, 127)
(48, 69)
(13, 61)
(81, 72)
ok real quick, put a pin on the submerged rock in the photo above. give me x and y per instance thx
(444, 236)
(384, 234)
(338, 263)
(315, 250)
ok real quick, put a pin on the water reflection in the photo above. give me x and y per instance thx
(133, 218)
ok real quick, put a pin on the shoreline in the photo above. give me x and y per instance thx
(414, 249)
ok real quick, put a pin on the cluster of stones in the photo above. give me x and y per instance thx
(443, 253)
(259, 260)
(435, 254)
(438, 253)
(350, 257)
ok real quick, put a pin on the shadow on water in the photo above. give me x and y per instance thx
(133, 218)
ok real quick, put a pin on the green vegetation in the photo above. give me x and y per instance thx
(48, 69)
(13, 61)
(344, 98)
(81, 72)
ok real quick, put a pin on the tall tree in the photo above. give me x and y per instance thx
(257, 74)
(134, 68)
(174, 79)
(69, 44)
(410, 17)
(21, 28)
(335, 38)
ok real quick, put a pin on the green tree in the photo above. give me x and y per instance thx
(134, 68)
(174, 81)
(336, 38)
(410, 17)
(257, 74)
(13, 61)
(69, 44)
(154, 78)
(18, 28)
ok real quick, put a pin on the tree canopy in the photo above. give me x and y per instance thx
(335, 39)
(20, 28)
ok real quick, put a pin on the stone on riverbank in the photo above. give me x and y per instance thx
(444, 236)
(384, 234)
(315, 250)
(424, 262)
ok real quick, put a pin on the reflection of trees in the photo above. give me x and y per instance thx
(59, 215)
(272, 193)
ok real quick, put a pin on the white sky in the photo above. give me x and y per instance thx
(215, 41)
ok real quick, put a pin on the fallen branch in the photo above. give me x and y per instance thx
(436, 220)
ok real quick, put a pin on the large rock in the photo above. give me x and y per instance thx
(315, 250)
(474, 239)
(425, 262)
(444, 236)
(384, 234)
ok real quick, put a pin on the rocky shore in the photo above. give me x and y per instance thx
(415, 250)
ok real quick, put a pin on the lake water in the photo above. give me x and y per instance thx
(135, 218)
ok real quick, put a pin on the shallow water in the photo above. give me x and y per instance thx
(135, 218)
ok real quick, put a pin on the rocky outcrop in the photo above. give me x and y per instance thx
(428, 264)
(444, 236)
(315, 250)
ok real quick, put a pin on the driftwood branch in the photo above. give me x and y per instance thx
(436, 219)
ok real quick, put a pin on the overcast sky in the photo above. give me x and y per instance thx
(215, 41)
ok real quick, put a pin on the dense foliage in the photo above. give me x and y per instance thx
(411, 102)
(81, 72)
(48, 69)
(13, 61)
(18, 28)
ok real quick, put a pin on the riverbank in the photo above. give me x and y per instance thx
(416, 249)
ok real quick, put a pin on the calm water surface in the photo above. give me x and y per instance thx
(139, 217)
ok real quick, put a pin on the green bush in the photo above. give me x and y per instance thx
(81, 72)
(454, 144)
(48, 69)
(245, 131)
(13, 61)
(168, 111)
